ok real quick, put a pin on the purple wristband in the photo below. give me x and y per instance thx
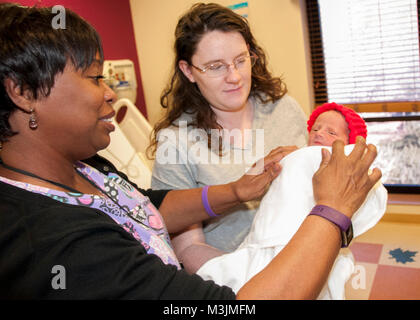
(336, 217)
(206, 204)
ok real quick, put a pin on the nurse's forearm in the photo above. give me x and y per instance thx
(183, 208)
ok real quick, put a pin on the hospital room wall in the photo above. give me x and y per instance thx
(112, 19)
(278, 25)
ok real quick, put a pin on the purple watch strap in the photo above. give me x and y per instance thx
(205, 201)
(336, 217)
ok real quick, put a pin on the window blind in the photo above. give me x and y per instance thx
(364, 51)
(317, 52)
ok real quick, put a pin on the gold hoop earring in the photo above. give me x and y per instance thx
(33, 124)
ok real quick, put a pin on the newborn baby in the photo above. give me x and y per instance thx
(290, 199)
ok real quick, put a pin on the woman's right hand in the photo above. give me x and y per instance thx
(342, 182)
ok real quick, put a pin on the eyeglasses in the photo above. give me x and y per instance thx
(221, 69)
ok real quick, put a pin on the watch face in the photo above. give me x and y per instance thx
(346, 236)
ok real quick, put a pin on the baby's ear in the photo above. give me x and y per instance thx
(23, 98)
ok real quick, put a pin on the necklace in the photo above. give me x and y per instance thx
(33, 175)
(137, 216)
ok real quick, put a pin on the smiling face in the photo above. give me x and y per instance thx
(231, 91)
(328, 127)
(75, 118)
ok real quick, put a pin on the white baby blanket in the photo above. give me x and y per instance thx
(282, 211)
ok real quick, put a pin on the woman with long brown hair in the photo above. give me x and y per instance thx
(224, 110)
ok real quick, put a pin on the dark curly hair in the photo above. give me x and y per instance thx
(182, 96)
(33, 52)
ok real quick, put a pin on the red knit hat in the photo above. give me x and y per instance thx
(357, 125)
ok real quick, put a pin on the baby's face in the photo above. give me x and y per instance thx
(328, 127)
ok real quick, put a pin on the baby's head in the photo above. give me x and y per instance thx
(332, 121)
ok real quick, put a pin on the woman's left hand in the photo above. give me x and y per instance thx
(255, 182)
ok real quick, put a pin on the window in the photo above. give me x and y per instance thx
(365, 55)
(397, 137)
(365, 51)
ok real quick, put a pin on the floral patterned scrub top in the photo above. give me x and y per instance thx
(124, 204)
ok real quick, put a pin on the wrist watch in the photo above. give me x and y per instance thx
(339, 219)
